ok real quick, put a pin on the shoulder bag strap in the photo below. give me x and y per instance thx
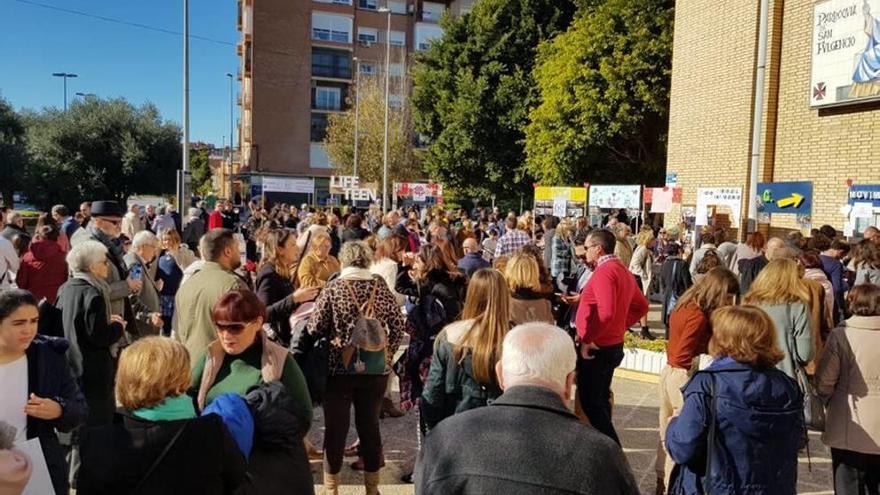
(160, 458)
(713, 398)
(372, 299)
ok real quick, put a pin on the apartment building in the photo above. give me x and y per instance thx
(299, 61)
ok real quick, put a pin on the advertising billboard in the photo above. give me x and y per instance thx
(845, 52)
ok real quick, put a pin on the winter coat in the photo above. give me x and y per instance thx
(355, 234)
(193, 231)
(49, 377)
(642, 266)
(847, 376)
(84, 318)
(275, 292)
(792, 319)
(197, 297)
(471, 263)
(451, 387)
(278, 462)
(675, 279)
(759, 426)
(527, 306)
(118, 273)
(146, 301)
(17, 236)
(115, 457)
(43, 269)
(748, 272)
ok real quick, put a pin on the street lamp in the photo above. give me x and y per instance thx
(65, 76)
(86, 95)
(182, 201)
(387, 11)
(231, 134)
(357, 118)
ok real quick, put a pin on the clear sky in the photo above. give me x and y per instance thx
(118, 60)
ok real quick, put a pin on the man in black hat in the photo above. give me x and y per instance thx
(105, 227)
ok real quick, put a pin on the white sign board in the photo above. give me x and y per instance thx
(718, 196)
(845, 52)
(288, 185)
(616, 197)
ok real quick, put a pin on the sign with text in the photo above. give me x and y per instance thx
(349, 187)
(730, 197)
(785, 197)
(615, 197)
(845, 52)
(288, 185)
(865, 193)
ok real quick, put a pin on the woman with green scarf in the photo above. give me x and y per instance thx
(156, 443)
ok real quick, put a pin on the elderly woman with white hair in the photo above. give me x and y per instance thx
(91, 329)
(146, 304)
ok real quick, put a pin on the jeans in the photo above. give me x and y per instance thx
(594, 387)
(365, 392)
(855, 473)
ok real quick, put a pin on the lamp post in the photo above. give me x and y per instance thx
(86, 95)
(181, 186)
(357, 117)
(231, 136)
(387, 11)
(65, 76)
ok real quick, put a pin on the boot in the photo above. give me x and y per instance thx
(371, 483)
(646, 334)
(331, 483)
(389, 409)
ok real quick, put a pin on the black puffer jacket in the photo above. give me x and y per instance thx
(278, 463)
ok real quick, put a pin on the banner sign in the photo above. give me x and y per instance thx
(730, 197)
(288, 185)
(418, 191)
(560, 201)
(616, 197)
(785, 197)
(865, 193)
(845, 52)
(349, 186)
(676, 194)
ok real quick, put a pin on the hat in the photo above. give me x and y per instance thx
(106, 209)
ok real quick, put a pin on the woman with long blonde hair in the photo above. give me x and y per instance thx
(462, 373)
(780, 291)
(527, 300)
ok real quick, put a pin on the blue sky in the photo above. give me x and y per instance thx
(117, 60)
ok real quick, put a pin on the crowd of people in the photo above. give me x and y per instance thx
(151, 352)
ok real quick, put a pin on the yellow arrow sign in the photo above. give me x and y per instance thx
(794, 200)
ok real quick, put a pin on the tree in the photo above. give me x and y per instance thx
(202, 179)
(13, 153)
(604, 87)
(339, 140)
(101, 149)
(474, 89)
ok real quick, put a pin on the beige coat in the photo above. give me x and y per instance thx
(849, 375)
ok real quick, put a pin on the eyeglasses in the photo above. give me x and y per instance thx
(113, 222)
(232, 328)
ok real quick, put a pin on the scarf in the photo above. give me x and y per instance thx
(100, 284)
(171, 409)
(355, 273)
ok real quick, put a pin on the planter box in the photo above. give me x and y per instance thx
(644, 361)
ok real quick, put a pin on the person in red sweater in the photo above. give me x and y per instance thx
(215, 219)
(610, 303)
(43, 267)
(689, 334)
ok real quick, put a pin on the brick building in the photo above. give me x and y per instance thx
(711, 110)
(299, 60)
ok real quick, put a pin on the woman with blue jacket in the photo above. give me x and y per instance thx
(742, 420)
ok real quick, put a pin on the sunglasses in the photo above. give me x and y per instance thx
(232, 328)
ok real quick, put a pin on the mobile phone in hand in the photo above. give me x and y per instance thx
(136, 271)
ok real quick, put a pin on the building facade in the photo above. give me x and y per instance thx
(299, 60)
(834, 147)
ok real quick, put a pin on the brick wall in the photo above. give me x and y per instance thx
(710, 111)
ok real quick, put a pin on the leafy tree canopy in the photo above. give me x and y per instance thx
(604, 86)
(13, 152)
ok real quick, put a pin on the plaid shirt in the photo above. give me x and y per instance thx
(560, 261)
(511, 242)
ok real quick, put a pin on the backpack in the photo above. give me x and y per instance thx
(364, 352)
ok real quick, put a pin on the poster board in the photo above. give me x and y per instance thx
(560, 201)
(730, 197)
(616, 197)
(785, 197)
(288, 185)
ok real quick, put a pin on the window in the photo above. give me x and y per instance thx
(368, 4)
(328, 98)
(318, 157)
(432, 12)
(398, 38)
(397, 7)
(319, 127)
(396, 70)
(368, 35)
(368, 68)
(335, 2)
(329, 27)
(425, 33)
(331, 63)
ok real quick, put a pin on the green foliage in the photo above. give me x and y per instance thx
(202, 182)
(633, 341)
(604, 86)
(473, 91)
(13, 152)
(100, 149)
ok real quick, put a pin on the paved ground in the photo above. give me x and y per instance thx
(635, 417)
